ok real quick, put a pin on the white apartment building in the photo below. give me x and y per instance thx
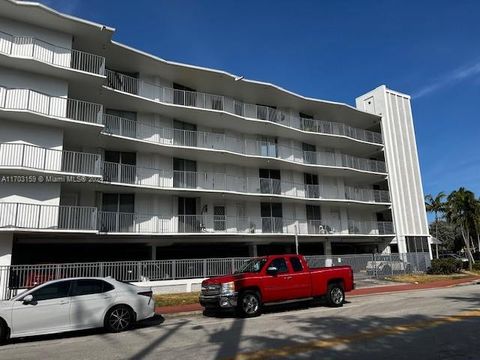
(109, 153)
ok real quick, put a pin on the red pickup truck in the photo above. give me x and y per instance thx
(275, 279)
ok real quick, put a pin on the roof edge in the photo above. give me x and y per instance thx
(62, 15)
(238, 77)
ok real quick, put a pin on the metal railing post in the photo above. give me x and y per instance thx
(204, 268)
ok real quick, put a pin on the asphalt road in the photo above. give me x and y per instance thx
(433, 324)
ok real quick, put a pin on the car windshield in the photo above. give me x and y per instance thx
(252, 266)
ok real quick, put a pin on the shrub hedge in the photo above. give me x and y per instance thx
(445, 266)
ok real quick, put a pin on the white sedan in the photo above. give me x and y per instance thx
(75, 304)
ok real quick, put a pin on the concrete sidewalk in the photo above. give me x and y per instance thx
(163, 310)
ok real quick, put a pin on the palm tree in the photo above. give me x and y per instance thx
(435, 205)
(461, 211)
(477, 222)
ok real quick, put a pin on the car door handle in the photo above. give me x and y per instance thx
(288, 278)
(63, 302)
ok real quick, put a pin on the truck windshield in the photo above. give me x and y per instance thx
(252, 266)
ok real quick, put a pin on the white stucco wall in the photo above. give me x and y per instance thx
(408, 206)
(22, 80)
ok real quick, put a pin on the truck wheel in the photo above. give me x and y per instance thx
(249, 304)
(335, 295)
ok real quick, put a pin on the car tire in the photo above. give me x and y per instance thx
(3, 331)
(249, 304)
(335, 295)
(119, 318)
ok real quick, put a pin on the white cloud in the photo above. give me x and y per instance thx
(450, 78)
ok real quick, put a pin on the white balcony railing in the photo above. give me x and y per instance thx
(201, 100)
(47, 217)
(112, 222)
(29, 47)
(53, 217)
(59, 107)
(14, 155)
(206, 140)
(151, 177)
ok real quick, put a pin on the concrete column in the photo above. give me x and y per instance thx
(328, 251)
(252, 250)
(154, 252)
(6, 245)
(402, 244)
(429, 242)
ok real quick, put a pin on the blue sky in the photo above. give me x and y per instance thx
(333, 50)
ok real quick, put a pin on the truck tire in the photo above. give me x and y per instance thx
(249, 304)
(335, 295)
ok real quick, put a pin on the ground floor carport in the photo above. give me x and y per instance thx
(35, 248)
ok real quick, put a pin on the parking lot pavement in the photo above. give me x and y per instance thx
(429, 324)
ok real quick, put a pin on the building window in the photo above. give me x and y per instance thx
(309, 153)
(270, 182)
(417, 243)
(272, 221)
(268, 146)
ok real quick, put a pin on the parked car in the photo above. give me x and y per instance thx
(385, 265)
(75, 304)
(274, 279)
(463, 259)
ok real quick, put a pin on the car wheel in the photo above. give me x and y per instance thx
(119, 318)
(3, 331)
(335, 295)
(249, 304)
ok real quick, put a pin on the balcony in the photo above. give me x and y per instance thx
(32, 157)
(52, 106)
(210, 181)
(39, 50)
(82, 218)
(115, 125)
(47, 217)
(112, 222)
(201, 100)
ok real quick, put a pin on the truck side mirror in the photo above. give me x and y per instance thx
(272, 270)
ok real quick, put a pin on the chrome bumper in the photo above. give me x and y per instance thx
(224, 301)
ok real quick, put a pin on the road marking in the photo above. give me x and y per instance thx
(345, 340)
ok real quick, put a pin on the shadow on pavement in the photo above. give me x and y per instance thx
(280, 308)
(153, 321)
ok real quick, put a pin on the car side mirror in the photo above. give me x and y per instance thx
(28, 299)
(272, 270)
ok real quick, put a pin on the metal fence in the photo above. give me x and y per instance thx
(15, 278)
